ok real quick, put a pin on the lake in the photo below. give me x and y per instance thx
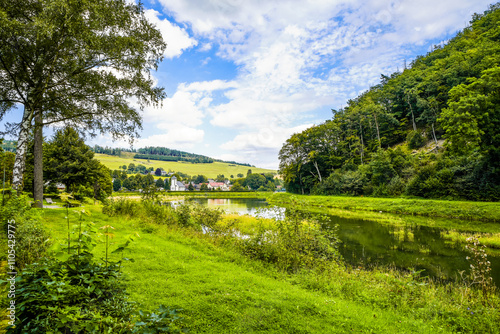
(368, 243)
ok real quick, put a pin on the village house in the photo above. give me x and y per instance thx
(176, 185)
(212, 185)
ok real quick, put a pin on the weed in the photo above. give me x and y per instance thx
(480, 273)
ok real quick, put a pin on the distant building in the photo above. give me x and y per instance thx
(176, 185)
(218, 186)
(163, 173)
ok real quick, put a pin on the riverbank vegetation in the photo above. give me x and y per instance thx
(430, 131)
(465, 210)
(237, 274)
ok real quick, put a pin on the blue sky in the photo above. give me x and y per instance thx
(243, 75)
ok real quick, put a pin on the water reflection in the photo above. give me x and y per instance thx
(368, 243)
(242, 206)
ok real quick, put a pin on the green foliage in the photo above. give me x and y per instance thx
(150, 193)
(164, 321)
(69, 160)
(117, 184)
(452, 91)
(74, 293)
(295, 243)
(255, 181)
(32, 240)
(480, 273)
(415, 140)
(472, 120)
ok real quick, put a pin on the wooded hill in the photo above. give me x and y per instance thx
(389, 140)
(163, 154)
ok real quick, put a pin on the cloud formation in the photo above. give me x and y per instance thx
(177, 39)
(295, 58)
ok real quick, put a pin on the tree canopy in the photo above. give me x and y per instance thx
(388, 140)
(78, 62)
(69, 161)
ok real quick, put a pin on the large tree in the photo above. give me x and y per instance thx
(69, 161)
(75, 61)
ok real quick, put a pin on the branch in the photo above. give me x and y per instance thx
(13, 79)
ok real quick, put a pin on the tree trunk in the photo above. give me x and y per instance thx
(434, 134)
(362, 144)
(319, 174)
(22, 145)
(378, 132)
(411, 109)
(38, 165)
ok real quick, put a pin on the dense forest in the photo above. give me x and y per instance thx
(432, 130)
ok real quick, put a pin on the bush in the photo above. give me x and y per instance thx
(415, 140)
(122, 206)
(73, 293)
(32, 241)
(396, 186)
(294, 244)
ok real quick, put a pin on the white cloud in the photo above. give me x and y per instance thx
(261, 147)
(205, 47)
(295, 57)
(177, 39)
(267, 138)
(177, 136)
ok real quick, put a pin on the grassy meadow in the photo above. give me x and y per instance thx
(209, 170)
(220, 290)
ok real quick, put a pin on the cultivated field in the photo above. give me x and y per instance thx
(209, 170)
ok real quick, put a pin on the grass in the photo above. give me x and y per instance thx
(473, 211)
(222, 291)
(490, 240)
(209, 170)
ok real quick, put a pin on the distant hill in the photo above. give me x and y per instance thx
(163, 154)
(148, 153)
(210, 170)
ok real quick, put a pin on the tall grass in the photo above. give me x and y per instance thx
(240, 274)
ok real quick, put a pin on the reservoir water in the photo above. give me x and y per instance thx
(368, 243)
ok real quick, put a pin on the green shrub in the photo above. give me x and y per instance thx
(156, 213)
(353, 183)
(205, 216)
(123, 207)
(183, 215)
(32, 241)
(415, 140)
(296, 243)
(73, 293)
(396, 186)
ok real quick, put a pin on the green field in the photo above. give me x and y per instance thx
(209, 170)
(221, 291)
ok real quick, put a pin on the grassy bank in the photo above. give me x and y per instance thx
(222, 290)
(476, 211)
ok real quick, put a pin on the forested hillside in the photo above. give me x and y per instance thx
(163, 154)
(432, 130)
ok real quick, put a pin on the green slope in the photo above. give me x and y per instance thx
(209, 170)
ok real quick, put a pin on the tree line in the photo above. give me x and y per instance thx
(431, 130)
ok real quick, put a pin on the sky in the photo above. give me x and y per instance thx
(241, 76)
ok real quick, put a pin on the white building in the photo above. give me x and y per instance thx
(176, 185)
